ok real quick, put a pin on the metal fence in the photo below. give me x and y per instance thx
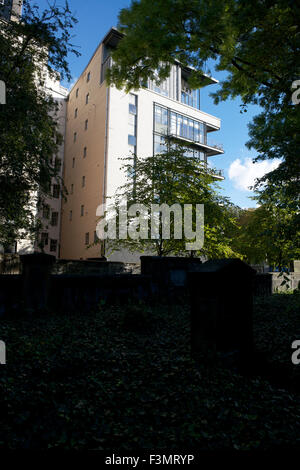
(10, 264)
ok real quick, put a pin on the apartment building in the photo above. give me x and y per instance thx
(104, 124)
(10, 9)
(50, 212)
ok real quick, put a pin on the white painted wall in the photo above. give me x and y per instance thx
(118, 128)
(25, 245)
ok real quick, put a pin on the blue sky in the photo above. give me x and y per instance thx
(95, 17)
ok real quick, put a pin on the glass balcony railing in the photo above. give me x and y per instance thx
(215, 145)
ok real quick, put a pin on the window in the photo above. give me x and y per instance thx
(162, 88)
(70, 216)
(56, 191)
(44, 239)
(160, 145)
(87, 98)
(46, 211)
(83, 182)
(169, 122)
(57, 164)
(53, 245)
(132, 140)
(73, 163)
(95, 237)
(81, 211)
(132, 123)
(189, 96)
(132, 103)
(77, 92)
(76, 113)
(87, 238)
(84, 152)
(105, 62)
(54, 219)
(75, 136)
(72, 188)
(161, 119)
(88, 77)
(86, 124)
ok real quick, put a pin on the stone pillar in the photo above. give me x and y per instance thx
(221, 308)
(36, 269)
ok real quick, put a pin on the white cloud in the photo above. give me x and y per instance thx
(243, 174)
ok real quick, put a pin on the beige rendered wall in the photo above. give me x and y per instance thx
(91, 167)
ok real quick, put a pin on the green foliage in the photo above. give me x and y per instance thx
(170, 178)
(269, 233)
(256, 43)
(276, 326)
(29, 137)
(86, 382)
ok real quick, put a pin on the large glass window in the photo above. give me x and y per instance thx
(161, 119)
(162, 88)
(169, 122)
(189, 96)
(160, 144)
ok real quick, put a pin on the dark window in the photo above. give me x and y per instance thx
(84, 152)
(95, 237)
(73, 163)
(72, 188)
(75, 136)
(54, 219)
(56, 190)
(44, 239)
(82, 211)
(53, 245)
(88, 77)
(46, 211)
(87, 98)
(83, 181)
(57, 164)
(76, 113)
(77, 92)
(86, 124)
(87, 238)
(105, 62)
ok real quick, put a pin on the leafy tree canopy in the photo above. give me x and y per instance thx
(31, 50)
(256, 43)
(171, 178)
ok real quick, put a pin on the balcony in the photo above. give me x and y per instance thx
(209, 148)
(214, 148)
(216, 173)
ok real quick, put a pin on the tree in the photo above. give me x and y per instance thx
(268, 234)
(31, 50)
(172, 177)
(257, 43)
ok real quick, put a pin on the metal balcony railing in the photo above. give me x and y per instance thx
(216, 145)
(216, 172)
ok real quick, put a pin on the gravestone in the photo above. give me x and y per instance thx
(221, 308)
(296, 266)
(36, 268)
